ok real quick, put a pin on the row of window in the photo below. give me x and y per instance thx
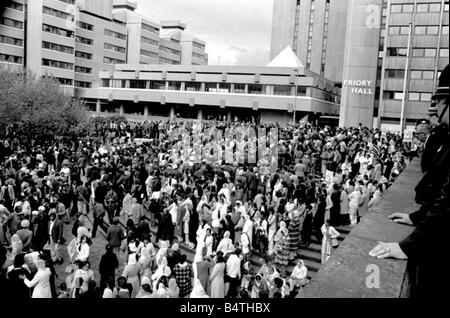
(417, 52)
(57, 64)
(65, 81)
(415, 74)
(110, 60)
(11, 23)
(149, 54)
(82, 69)
(86, 26)
(11, 58)
(83, 55)
(116, 48)
(68, 1)
(149, 41)
(421, 7)
(419, 30)
(58, 14)
(412, 96)
(198, 45)
(167, 61)
(57, 47)
(83, 84)
(14, 5)
(196, 55)
(82, 40)
(58, 31)
(116, 35)
(170, 50)
(10, 40)
(149, 28)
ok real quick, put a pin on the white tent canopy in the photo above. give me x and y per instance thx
(287, 58)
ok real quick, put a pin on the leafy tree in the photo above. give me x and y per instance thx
(38, 104)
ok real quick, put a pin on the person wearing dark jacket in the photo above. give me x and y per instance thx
(56, 231)
(115, 235)
(107, 266)
(424, 246)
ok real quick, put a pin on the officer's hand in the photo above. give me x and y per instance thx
(401, 218)
(385, 250)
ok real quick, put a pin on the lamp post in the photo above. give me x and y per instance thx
(295, 98)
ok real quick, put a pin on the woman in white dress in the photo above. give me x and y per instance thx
(40, 281)
(216, 278)
(329, 240)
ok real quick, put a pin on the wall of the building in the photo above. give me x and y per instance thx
(283, 20)
(16, 33)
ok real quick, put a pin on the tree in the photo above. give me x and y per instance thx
(38, 104)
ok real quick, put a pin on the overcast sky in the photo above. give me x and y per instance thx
(236, 31)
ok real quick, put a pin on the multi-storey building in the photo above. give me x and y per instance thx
(362, 45)
(74, 40)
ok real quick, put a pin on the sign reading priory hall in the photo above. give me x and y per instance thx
(360, 87)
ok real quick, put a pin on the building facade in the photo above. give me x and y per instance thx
(74, 40)
(362, 45)
(266, 94)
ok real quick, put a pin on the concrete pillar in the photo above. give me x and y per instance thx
(200, 114)
(229, 119)
(146, 110)
(172, 112)
(98, 108)
(121, 110)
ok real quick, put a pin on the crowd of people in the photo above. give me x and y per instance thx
(150, 197)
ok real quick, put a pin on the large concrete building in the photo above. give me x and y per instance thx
(267, 94)
(74, 40)
(362, 46)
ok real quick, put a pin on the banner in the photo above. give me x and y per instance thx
(408, 135)
(73, 250)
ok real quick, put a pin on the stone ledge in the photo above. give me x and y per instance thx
(344, 274)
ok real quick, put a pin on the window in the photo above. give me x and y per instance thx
(82, 69)
(149, 54)
(10, 40)
(443, 52)
(421, 30)
(428, 74)
(255, 89)
(15, 6)
(396, 51)
(80, 39)
(239, 88)
(211, 87)
(394, 30)
(446, 7)
(105, 82)
(174, 86)
(116, 48)
(422, 7)
(395, 73)
(433, 30)
(418, 52)
(57, 64)
(57, 47)
(86, 26)
(11, 58)
(434, 7)
(149, 28)
(116, 35)
(301, 91)
(198, 45)
(167, 61)
(445, 29)
(157, 85)
(404, 30)
(414, 96)
(425, 97)
(430, 52)
(83, 55)
(110, 60)
(58, 31)
(149, 41)
(57, 14)
(11, 23)
(65, 81)
(170, 50)
(416, 74)
(193, 86)
(396, 8)
(196, 55)
(284, 90)
(68, 1)
(83, 84)
(139, 84)
(224, 87)
(408, 8)
(398, 95)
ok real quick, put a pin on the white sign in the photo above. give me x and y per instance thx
(408, 135)
(72, 249)
(360, 87)
(329, 177)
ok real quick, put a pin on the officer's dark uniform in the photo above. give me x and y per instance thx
(427, 246)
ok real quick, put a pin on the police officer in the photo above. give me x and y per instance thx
(427, 244)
